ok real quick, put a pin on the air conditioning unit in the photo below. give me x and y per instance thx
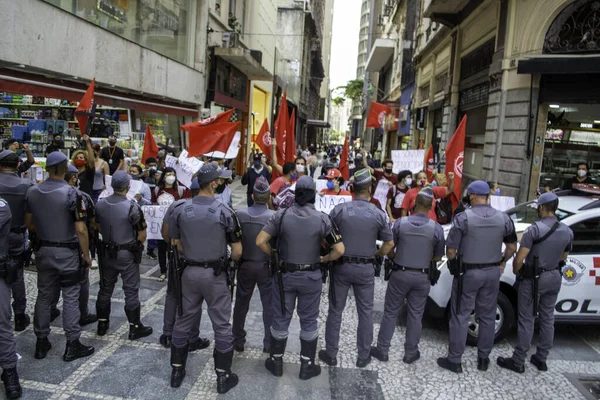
(230, 39)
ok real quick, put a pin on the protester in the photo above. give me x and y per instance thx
(113, 155)
(14, 146)
(281, 193)
(256, 169)
(439, 192)
(334, 182)
(85, 162)
(223, 191)
(56, 144)
(100, 172)
(144, 197)
(396, 194)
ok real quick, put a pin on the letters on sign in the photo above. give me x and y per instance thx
(134, 188)
(327, 203)
(411, 160)
(154, 216)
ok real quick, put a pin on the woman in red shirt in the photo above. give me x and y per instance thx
(166, 192)
(439, 192)
(334, 181)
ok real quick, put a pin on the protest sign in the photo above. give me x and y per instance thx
(327, 203)
(185, 167)
(320, 184)
(134, 188)
(502, 203)
(381, 192)
(411, 160)
(154, 216)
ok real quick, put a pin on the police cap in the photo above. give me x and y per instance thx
(72, 170)
(208, 172)
(546, 198)
(120, 180)
(261, 185)
(479, 188)
(426, 192)
(195, 185)
(306, 182)
(225, 173)
(55, 158)
(6, 155)
(362, 177)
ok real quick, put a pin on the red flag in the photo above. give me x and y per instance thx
(263, 139)
(150, 147)
(429, 160)
(377, 114)
(455, 153)
(290, 149)
(221, 117)
(85, 106)
(212, 137)
(344, 168)
(281, 128)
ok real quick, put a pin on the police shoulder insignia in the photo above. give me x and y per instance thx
(82, 200)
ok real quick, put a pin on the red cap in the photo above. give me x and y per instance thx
(333, 173)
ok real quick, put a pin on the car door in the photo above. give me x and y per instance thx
(579, 298)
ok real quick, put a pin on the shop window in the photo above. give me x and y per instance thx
(586, 236)
(159, 25)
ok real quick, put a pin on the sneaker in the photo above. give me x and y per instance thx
(150, 254)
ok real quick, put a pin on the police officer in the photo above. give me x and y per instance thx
(56, 212)
(361, 224)
(13, 189)
(544, 247)
(8, 353)
(474, 248)
(170, 311)
(298, 231)
(419, 240)
(254, 268)
(207, 221)
(123, 230)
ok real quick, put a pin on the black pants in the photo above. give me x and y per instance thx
(162, 256)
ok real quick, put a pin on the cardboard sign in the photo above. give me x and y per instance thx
(154, 216)
(185, 167)
(327, 203)
(134, 188)
(502, 203)
(381, 192)
(411, 160)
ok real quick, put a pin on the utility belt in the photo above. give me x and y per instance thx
(397, 267)
(528, 272)
(135, 247)
(20, 229)
(67, 245)
(214, 264)
(289, 267)
(264, 261)
(357, 260)
(468, 266)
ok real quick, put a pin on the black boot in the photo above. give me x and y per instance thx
(136, 328)
(22, 321)
(54, 313)
(165, 341)
(226, 380)
(199, 344)
(275, 361)
(88, 319)
(75, 349)
(308, 368)
(42, 347)
(178, 360)
(103, 319)
(11, 383)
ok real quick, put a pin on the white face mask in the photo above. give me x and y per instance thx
(581, 173)
(408, 181)
(170, 179)
(300, 168)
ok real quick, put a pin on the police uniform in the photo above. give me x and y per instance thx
(55, 207)
(254, 269)
(477, 234)
(120, 221)
(207, 221)
(8, 353)
(299, 231)
(13, 190)
(546, 251)
(361, 224)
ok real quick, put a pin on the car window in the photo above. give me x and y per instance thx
(526, 213)
(586, 236)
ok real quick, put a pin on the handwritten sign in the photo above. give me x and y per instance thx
(502, 203)
(154, 216)
(185, 167)
(381, 192)
(411, 160)
(327, 203)
(320, 184)
(134, 188)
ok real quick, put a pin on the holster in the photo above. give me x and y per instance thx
(433, 274)
(9, 270)
(231, 271)
(388, 269)
(137, 252)
(219, 268)
(454, 267)
(112, 250)
(324, 272)
(377, 265)
(34, 242)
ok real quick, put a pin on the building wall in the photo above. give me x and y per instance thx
(363, 52)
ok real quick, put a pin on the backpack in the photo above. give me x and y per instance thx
(443, 210)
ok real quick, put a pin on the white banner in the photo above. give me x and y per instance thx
(327, 203)
(233, 150)
(502, 203)
(412, 160)
(320, 185)
(134, 188)
(381, 192)
(185, 167)
(154, 216)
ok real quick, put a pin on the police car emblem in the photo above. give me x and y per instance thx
(572, 272)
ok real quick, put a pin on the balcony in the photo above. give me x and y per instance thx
(447, 12)
(243, 60)
(381, 52)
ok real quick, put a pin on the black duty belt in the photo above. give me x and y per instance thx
(244, 260)
(357, 260)
(398, 267)
(527, 273)
(479, 266)
(288, 267)
(131, 246)
(203, 264)
(20, 229)
(68, 245)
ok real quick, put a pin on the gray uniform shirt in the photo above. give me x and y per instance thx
(5, 219)
(168, 218)
(549, 252)
(409, 247)
(13, 190)
(118, 217)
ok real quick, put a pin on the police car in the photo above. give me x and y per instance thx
(579, 297)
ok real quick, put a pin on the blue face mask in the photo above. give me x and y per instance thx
(497, 192)
(330, 185)
(294, 176)
(257, 164)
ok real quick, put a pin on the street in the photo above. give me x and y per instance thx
(123, 369)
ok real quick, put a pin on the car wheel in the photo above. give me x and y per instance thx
(505, 319)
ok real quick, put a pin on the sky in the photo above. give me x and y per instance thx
(344, 44)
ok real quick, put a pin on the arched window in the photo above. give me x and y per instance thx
(575, 30)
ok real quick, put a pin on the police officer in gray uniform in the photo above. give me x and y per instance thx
(254, 268)
(544, 247)
(170, 311)
(13, 189)
(299, 230)
(419, 240)
(476, 238)
(123, 230)
(8, 353)
(361, 224)
(202, 228)
(56, 212)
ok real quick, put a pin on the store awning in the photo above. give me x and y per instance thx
(242, 60)
(381, 52)
(560, 65)
(318, 123)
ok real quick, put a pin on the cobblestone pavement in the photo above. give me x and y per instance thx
(123, 369)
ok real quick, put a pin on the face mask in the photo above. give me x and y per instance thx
(408, 181)
(421, 182)
(135, 177)
(388, 171)
(170, 179)
(330, 185)
(581, 173)
(79, 163)
(300, 168)
(256, 164)
(220, 188)
(112, 142)
(293, 176)
(497, 192)
(59, 143)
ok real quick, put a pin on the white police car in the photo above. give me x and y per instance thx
(579, 297)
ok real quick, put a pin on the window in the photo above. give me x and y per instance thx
(526, 213)
(586, 236)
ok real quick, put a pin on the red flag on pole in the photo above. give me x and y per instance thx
(85, 106)
(211, 134)
(221, 117)
(429, 160)
(290, 149)
(344, 168)
(281, 128)
(455, 153)
(377, 114)
(263, 139)
(150, 147)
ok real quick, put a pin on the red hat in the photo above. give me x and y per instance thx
(333, 173)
